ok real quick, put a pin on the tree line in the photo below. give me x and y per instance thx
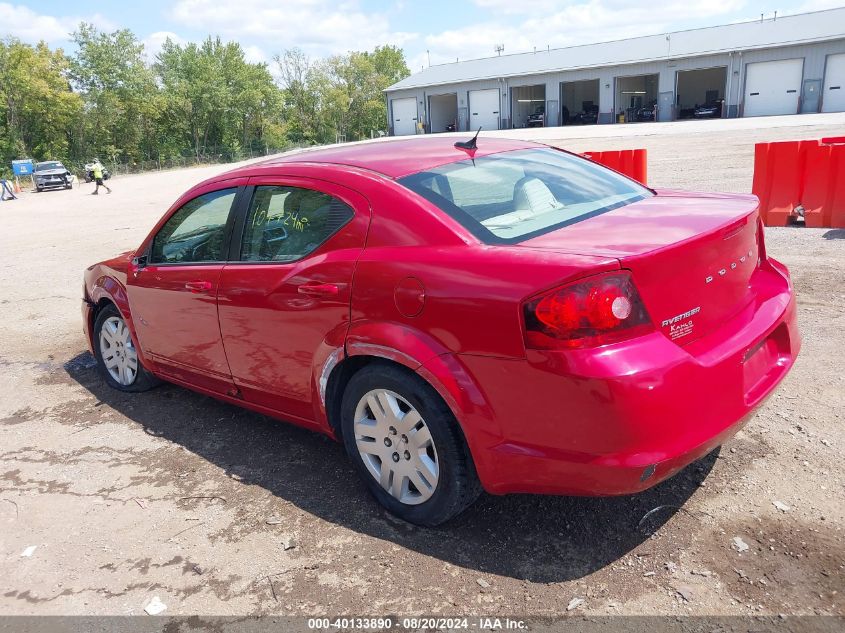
(199, 100)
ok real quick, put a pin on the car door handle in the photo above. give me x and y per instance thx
(318, 290)
(198, 286)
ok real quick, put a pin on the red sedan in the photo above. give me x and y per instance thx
(510, 317)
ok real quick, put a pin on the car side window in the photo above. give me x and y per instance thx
(287, 223)
(196, 232)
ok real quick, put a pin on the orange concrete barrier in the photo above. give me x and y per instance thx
(631, 162)
(779, 183)
(817, 173)
(835, 183)
(806, 174)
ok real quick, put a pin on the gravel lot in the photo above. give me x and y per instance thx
(219, 511)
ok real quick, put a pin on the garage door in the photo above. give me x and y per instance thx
(484, 109)
(773, 87)
(834, 84)
(404, 116)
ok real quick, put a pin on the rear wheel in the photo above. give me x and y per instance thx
(406, 445)
(116, 355)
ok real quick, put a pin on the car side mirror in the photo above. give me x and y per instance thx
(140, 262)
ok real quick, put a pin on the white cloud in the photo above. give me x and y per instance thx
(255, 55)
(317, 26)
(25, 24)
(154, 41)
(548, 23)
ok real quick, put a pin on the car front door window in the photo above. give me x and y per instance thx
(196, 232)
(173, 294)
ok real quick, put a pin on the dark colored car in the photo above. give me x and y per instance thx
(52, 174)
(647, 113)
(711, 110)
(538, 117)
(588, 116)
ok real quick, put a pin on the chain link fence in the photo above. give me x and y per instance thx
(186, 158)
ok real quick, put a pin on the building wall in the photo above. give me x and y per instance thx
(814, 61)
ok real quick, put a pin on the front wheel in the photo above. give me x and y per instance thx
(116, 355)
(407, 446)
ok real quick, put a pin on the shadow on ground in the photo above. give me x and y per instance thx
(537, 538)
(835, 234)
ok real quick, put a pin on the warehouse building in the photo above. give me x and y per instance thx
(780, 65)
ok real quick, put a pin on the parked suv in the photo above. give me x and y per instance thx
(51, 174)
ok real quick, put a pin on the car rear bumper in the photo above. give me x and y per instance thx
(622, 418)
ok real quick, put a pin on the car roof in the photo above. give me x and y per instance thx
(400, 157)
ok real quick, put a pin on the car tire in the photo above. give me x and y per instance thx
(117, 358)
(408, 454)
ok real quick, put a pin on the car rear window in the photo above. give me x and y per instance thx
(514, 196)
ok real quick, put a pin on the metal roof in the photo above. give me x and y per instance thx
(784, 31)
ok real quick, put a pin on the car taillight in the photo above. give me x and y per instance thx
(596, 311)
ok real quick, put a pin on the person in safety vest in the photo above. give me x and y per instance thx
(98, 177)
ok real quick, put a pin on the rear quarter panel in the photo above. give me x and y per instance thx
(472, 297)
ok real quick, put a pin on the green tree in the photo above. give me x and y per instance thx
(108, 101)
(342, 95)
(352, 96)
(121, 100)
(38, 109)
(299, 78)
(214, 98)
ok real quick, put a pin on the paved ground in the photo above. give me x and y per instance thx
(171, 494)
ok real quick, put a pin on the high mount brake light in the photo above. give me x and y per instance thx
(596, 311)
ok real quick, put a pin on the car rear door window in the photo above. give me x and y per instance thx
(287, 223)
(513, 196)
(196, 232)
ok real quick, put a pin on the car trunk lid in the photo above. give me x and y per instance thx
(691, 255)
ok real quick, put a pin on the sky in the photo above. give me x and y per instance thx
(429, 31)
